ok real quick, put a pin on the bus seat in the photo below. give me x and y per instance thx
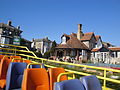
(1, 56)
(91, 82)
(73, 84)
(15, 75)
(11, 57)
(37, 66)
(53, 74)
(35, 79)
(16, 60)
(3, 71)
(27, 61)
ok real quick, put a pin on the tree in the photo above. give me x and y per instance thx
(54, 44)
(46, 54)
(38, 54)
(51, 51)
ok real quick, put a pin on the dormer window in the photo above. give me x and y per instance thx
(63, 40)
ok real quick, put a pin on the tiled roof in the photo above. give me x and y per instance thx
(107, 44)
(65, 35)
(110, 48)
(43, 39)
(12, 28)
(97, 37)
(63, 46)
(72, 34)
(114, 48)
(95, 49)
(87, 36)
(73, 42)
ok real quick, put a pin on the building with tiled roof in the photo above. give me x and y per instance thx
(87, 36)
(106, 54)
(114, 48)
(10, 34)
(84, 46)
(73, 42)
(41, 45)
(73, 45)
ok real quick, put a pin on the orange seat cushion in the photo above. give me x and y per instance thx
(27, 61)
(1, 56)
(3, 71)
(53, 74)
(35, 79)
(11, 57)
(2, 83)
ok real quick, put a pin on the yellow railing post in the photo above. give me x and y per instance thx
(104, 82)
(15, 51)
(28, 58)
(42, 61)
(73, 76)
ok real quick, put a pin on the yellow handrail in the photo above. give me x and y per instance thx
(66, 73)
(19, 51)
(18, 59)
(5, 56)
(105, 70)
(15, 46)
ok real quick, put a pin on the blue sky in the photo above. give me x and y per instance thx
(52, 18)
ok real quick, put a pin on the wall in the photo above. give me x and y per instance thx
(99, 44)
(92, 43)
(86, 43)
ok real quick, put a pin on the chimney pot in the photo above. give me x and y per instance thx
(79, 33)
(80, 27)
(9, 23)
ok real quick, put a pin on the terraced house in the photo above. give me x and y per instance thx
(10, 34)
(43, 45)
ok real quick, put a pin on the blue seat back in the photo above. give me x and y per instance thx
(91, 83)
(73, 84)
(15, 75)
(37, 66)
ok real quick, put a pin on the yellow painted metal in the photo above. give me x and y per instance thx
(80, 65)
(104, 82)
(15, 46)
(5, 56)
(27, 56)
(18, 50)
(61, 74)
(17, 59)
(105, 70)
(34, 64)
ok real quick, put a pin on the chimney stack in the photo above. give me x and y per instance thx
(79, 33)
(9, 23)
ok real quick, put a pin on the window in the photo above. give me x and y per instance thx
(5, 40)
(112, 55)
(102, 56)
(105, 55)
(94, 54)
(116, 54)
(63, 40)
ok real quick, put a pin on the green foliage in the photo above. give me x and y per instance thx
(38, 54)
(46, 54)
(54, 44)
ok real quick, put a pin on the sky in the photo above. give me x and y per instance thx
(52, 18)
